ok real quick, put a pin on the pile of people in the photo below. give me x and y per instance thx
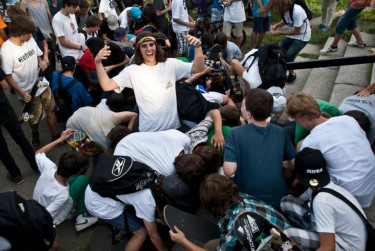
(191, 127)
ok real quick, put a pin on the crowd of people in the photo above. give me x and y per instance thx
(139, 83)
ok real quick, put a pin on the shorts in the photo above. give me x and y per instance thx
(182, 43)
(43, 104)
(348, 21)
(134, 223)
(227, 28)
(261, 25)
(203, 14)
(216, 15)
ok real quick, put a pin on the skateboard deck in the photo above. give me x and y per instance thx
(193, 227)
(214, 53)
(28, 108)
(240, 81)
(81, 142)
(255, 232)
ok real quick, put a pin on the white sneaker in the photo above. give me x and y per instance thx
(356, 44)
(329, 49)
(83, 221)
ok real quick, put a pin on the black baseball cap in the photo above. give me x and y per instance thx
(68, 61)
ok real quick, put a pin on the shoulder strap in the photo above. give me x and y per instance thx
(59, 80)
(340, 196)
(71, 83)
(255, 55)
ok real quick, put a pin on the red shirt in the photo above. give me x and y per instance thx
(87, 63)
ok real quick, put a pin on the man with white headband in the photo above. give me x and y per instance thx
(153, 79)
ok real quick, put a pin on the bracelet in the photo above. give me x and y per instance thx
(80, 47)
(197, 46)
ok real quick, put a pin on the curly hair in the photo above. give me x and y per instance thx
(218, 194)
(71, 163)
(21, 25)
(138, 58)
(117, 133)
(211, 157)
(190, 169)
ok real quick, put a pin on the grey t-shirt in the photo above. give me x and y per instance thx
(95, 123)
(362, 104)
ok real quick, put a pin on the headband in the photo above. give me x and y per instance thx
(146, 39)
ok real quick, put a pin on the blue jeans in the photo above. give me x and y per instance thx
(119, 222)
(292, 47)
(348, 20)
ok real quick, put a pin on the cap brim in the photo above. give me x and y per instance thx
(113, 27)
(323, 180)
(119, 38)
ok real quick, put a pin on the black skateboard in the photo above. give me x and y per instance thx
(255, 232)
(193, 227)
(29, 106)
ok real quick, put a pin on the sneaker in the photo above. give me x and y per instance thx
(325, 29)
(329, 49)
(35, 139)
(291, 78)
(321, 26)
(356, 44)
(83, 221)
(18, 180)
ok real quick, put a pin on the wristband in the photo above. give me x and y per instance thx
(80, 47)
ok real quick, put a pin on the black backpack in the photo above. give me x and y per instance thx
(116, 175)
(191, 105)
(26, 224)
(63, 99)
(271, 65)
(301, 3)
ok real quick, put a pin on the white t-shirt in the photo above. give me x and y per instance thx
(362, 104)
(21, 62)
(333, 215)
(155, 91)
(179, 11)
(95, 123)
(124, 19)
(102, 207)
(300, 20)
(235, 13)
(107, 7)
(49, 193)
(67, 27)
(158, 150)
(233, 52)
(143, 203)
(214, 97)
(350, 160)
(103, 105)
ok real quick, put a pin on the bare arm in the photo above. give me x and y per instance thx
(367, 91)
(162, 12)
(64, 135)
(179, 21)
(23, 7)
(228, 101)
(218, 139)
(106, 83)
(152, 231)
(3, 35)
(4, 85)
(68, 44)
(200, 74)
(295, 31)
(25, 95)
(106, 38)
(230, 168)
(111, 67)
(327, 242)
(100, 16)
(198, 63)
(48, 11)
(129, 117)
(179, 237)
(278, 25)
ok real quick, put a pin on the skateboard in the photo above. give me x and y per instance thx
(240, 81)
(193, 227)
(28, 108)
(255, 232)
(82, 143)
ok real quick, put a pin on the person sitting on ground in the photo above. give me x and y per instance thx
(230, 50)
(91, 27)
(258, 167)
(59, 188)
(97, 124)
(153, 79)
(343, 143)
(348, 21)
(298, 33)
(333, 224)
(223, 198)
(80, 96)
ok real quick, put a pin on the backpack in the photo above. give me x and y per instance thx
(191, 105)
(370, 244)
(301, 3)
(271, 65)
(115, 175)
(26, 224)
(63, 99)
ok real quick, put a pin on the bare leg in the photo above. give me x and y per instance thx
(260, 39)
(239, 41)
(52, 123)
(291, 72)
(357, 35)
(336, 39)
(236, 69)
(136, 241)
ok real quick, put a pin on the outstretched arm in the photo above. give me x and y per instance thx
(218, 139)
(179, 237)
(200, 74)
(106, 83)
(64, 136)
(198, 63)
(129, 117)
(367, 91)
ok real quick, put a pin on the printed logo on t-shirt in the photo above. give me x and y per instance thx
(26, 55)
(169, 85)
(72, 26)
(111, 4)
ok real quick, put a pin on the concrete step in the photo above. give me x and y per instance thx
(352, 78)
(321, 80)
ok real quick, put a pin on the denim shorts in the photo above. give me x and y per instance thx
(348, 21)
(292, 47)
(261, 25)
(119, 222)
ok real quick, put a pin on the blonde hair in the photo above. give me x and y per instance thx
(301, 105)
(276, 7)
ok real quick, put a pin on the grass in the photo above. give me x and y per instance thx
(309, 55)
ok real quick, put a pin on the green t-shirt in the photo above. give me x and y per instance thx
(326, 107)
(224, 129)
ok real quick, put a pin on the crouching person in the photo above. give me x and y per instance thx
(60, 187)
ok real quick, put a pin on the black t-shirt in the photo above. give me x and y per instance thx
(161, 21)
(104, 29)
